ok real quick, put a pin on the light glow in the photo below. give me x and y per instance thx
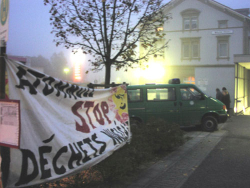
(66, 70)
(77, 69)
(189, 80)
(244, 110)
(78, 59)
(160, 29)
(235, 110)
(154, 72)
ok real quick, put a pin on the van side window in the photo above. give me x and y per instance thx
(190, 94)
(134, 95)
(159, 94)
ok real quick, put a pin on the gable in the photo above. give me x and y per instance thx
(219, 7)
(208, 14)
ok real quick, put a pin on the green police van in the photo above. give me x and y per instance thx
(183, 104)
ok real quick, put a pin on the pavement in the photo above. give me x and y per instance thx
(175, 169)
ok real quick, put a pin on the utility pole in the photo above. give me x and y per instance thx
(2, 70)
(4, 17)
(4, 151)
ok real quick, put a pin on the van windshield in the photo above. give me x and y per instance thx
(190, 93)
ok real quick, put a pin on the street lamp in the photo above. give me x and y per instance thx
(66, 71)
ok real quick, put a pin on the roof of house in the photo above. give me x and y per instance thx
(18, 58)
(242, 13)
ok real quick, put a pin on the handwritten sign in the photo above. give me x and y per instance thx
(10, 123)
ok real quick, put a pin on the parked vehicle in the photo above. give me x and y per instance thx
(183, 104)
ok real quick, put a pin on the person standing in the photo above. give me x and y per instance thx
(226, 98)
(219, 94)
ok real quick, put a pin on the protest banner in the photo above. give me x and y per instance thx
(65, 128)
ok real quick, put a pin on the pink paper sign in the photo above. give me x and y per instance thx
(10, 123)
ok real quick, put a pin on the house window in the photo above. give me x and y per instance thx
(190, 23)
(186, 50)
(190, 48)
(186, 22)
(194, 23)
(223, 47)
(190, 19)
(222, 24)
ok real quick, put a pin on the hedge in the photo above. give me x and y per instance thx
(150, 140)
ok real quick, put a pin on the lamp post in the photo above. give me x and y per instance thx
(66, 71)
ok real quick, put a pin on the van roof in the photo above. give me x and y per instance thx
(158, 85)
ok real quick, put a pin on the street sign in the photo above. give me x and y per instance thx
(4, 21)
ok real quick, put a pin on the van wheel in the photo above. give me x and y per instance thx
(209, 124)
(135, 123)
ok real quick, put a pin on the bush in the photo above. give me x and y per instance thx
(163, 136)
(156, 137)
(151, 139)
(126, 160)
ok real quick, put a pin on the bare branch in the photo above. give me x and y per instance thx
(109, 30)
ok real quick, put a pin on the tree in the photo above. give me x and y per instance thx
(109, 30)
(58, 63)
(40, 62)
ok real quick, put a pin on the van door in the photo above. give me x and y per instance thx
(161, 103)
(192, 106)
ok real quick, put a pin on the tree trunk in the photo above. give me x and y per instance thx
(107, 73)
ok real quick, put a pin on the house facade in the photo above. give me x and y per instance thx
(209, 45)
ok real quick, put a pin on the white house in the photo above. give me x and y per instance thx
(209, 45)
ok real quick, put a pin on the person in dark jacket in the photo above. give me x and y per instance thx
(218, 94)
(226, 98)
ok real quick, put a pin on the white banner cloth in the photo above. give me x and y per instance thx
(65, 128)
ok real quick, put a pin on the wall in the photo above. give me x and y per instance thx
(208, 22)
(215, 77)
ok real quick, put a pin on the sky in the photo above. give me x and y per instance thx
(30, 29)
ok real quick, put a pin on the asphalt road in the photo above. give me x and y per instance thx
(209, 160)
(173, 170)
(228, 164)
